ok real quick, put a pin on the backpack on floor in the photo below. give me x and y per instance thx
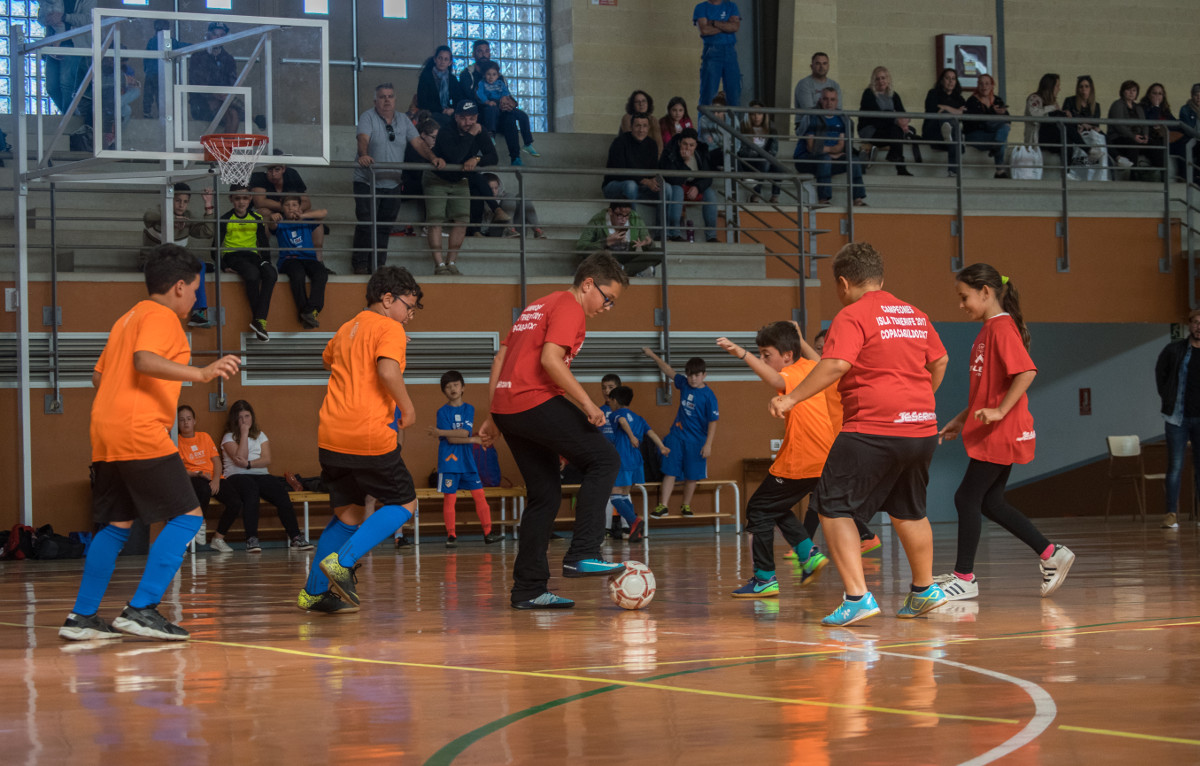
(19, 544)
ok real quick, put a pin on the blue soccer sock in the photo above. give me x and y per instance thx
(335, 535)
(165, 557)
(624, 507)
(764, 574)
(372, 532)
(98, 568)
(803, 549)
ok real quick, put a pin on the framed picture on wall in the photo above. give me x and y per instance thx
(968, 55)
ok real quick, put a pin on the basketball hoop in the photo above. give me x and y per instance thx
(235, 153)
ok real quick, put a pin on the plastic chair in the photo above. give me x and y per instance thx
(1125, 464)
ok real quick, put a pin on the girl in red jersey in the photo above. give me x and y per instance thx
(997, 430)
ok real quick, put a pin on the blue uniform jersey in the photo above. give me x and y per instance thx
(295, 240)
(719, 12)
(631, 456)
(455, 458)
(607, 428)
(697, 408)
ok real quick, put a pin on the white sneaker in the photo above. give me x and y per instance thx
(1170, 521)
(956, 588)
(1055, 568)
(218, 544)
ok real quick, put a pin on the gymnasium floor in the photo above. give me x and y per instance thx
(437, 669)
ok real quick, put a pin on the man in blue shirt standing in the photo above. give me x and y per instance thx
(719, 21)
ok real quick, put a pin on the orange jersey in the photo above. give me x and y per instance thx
(132, 413)
(810, 429)
(198, 452)
(358, 407)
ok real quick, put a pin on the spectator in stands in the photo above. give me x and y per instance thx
(992, 135)
(757, 128)
(1127, 141)
(639, 102)
(499, 113)
(153, 69)
(214, 66)
(892, 132)
(465, 143)
(410, 180)
(438, 90)
(1156, 107)
(203, 462)
(246, 454)
(676, 120)
(679, 160)
(945, 98)
(623, 233)
(515, 213)
(301, 240)
(1189, 114)
(1082, 104)
(64, 73)
(718, 22)
(185, 229)
(825, 150)
(808, 90)
(383, 137)
(712, 138)
(634, 151)
(245, 251)
(276, 181)
(1044, 103)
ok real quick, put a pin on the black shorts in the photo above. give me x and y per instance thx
(867, 473)
(156, 489)
(350, 478)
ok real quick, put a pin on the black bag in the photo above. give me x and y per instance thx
(52, 546)
(82, 140)
(19, 544)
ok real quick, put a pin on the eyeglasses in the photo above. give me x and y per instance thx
(410, 306)
(623, 216)
(390, 131)
(608, 302)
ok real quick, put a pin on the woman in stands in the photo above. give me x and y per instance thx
(438, 90)
(246, 454)
(945, 98)
(1044, 103)
(892, 132)
(1082, 104)
(676, 120)
(990, 135)
(1127, 141)
(1156, 107)
(757, 128)
(640, 103)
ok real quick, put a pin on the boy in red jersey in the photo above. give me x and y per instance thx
(888, 361)
(531, 378)
(136, 467)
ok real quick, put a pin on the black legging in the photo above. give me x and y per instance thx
(227, 496)
(258, 274)
(982, 490)
(771, 506)
(249, 487)
(295, 269)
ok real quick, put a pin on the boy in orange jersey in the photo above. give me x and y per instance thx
(358, 451)
(809, 434)
(203, 464)
(136, 467)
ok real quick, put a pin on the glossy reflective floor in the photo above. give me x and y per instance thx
(437, 669)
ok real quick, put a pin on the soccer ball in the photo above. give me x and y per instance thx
(634, 588)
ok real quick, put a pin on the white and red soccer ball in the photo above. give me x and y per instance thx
(634, 588)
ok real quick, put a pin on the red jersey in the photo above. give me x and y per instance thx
(997, 356)
(888, 343)
(523, 383)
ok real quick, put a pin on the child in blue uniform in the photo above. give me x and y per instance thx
(691, 435)
(629, 428)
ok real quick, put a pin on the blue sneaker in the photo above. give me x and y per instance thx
(757, 588)
(811, 569)
(531, 151)
(917, 604)
(591, 568)
(545, 601)
(851, 612)
(515, 161)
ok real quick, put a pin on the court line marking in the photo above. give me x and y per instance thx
(1131, 735)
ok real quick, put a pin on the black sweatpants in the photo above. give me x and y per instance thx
(295, 269)
(226, 494)
(982, 491)
(258, 274)
(771, 506)
(250, 487)
(536, 438)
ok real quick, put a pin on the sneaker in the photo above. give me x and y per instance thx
(538, 233)
(635, 532)
(511, 233)
(147, 622)
(403, 542)
(327, 602)
(528, 149)
(1055, 568)
(956, 588)
(341, 579)
(791, 554)
(260, 329)
(515, 161)
(591, 568)
(494, 536)
(199, 319)
(917, 604)
(219, 545)
(811, 569)
(86, 627)
(252, 545)
(451, 542)
(869, 544)
(293, 481)
(851, 612)
(545, 601)
(659, 511)
(452, 269)
(310, 318)
(298, 543)
(441, 270)
(1170, 521)
(757, 588)
(686, 510)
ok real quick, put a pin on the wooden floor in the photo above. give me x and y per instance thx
(437, 669)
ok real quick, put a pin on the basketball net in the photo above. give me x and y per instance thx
(236, 154)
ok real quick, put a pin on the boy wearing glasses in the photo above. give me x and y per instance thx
(622, 231)
(358, 450)
(529, 385)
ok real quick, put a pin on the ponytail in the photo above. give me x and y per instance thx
(977, 275)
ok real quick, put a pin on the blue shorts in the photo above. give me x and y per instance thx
(627, 478)
(685, 461)
(449, 483)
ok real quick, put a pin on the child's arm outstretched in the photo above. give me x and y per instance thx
(825, 374)
(806, 351)
(393, 380)
(629, 432)
(314, 215)
(663, 449)
(667, 369)
(761, 369)
(152, 365)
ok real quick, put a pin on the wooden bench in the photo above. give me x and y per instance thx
(716, 485)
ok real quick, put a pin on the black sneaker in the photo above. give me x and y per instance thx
(451, 542)
(260, 329)
(403, 542)
(147, 622)
(199, 319)
(659, 511)
(86, 627)
(686, 511)
(309, 319)
(494, 536)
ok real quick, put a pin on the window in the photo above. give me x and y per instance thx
(316, 6)
(395, 9)
(516, 30)
(219, 5)
(13, 14)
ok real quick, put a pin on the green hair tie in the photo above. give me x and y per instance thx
(1003, 280)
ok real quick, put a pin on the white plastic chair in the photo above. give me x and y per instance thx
(1125, 464)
